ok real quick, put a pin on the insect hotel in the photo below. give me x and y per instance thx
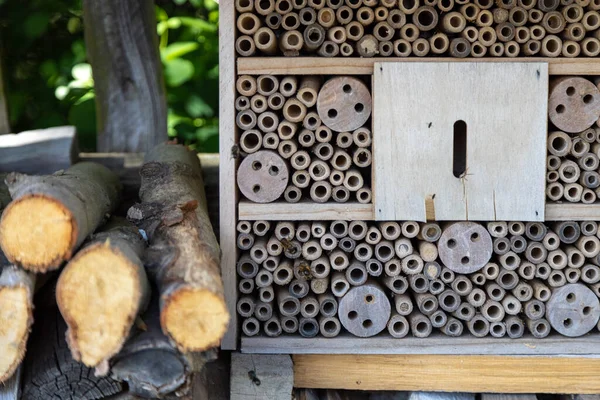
(410, 188)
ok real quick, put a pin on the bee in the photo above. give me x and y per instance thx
(303, 270)
(235, 151)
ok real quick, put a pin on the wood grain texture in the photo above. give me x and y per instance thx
(122, 46)
(257, 377)
(570, 212)
(305, 211)
(504, 374)
(436, 344)
(227, 167)
(504, 107)
(364, 66)
(42, 151)
(505, 396)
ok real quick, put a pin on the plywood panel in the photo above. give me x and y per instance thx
(500, 374)
(504, 106)
(305, 211)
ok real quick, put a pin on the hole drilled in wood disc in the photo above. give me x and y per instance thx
(465, 247)
(365, 310)
(344, 104)
(263, 176)
(573, 310)
(574, 104)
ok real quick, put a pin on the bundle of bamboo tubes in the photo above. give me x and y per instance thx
(573, 163)
(499, 279)
(304, 138)
(457, 28)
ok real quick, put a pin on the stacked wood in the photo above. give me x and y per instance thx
(499, 279)
(302, 138)
(403, 28)
(183, 257)
(573, 162)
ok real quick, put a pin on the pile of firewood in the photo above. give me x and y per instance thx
(131, 291)
(304, 138)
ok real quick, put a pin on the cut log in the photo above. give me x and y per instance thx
(101, 291)
(50, 371)
(51, 215)
(16, 316)
(150, 364)
(122, 46)
(42, 151)
(183, 257)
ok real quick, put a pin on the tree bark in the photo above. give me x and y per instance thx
(50, 371)
(16, 316)
(122, 46)
(101, 291)
(150, 364)
(4, 117)
(51, 215)
(183, 257)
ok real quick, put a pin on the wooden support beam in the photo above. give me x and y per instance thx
(504, 374)
(122, 46)
(255, 377)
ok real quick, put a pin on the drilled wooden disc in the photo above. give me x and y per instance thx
(344, 104)
(574, 104)
(263, 176)
(573, 310)
(465, 247)
(365, 310)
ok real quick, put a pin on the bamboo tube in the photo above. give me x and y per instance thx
(337, 34)
(354, 31)
(347, 244)
(301, 161)
(248, 23)
(354, 4)
(557, 279)
(478, 50)
(526, 4)
(307, 16)
(246, 306)
(539, 328)
(385, 49)
(462, 285)
(491, 271)
(294, 110)
(410, 229)
(501, 246)
(245, 46)
(283, 6)
(469, 11)
(554, 191)
(245, 241)
(447, 276)
(337, 178)
(517, 244)
(398, 326)
(344, 15)
(335, 4)
(494, 291)
(286, 130)
(381, 14)
(314, 36)
(459, 48)
(500, 15)
(324, 151)
(291, 42)
(537, 32)
(246, 286)
(412, 264)
(326, 17)
(365, 16)
(573, 275)
(522, 35)
(425, 18)
(572, 13)
(396, 19)
(420, 325)
(408, 6)
(487, 36)
(574, 31)
(591, 20)
(445, 5)
(507, 279)
(329, 49)
(397, 284)
(454, 22)
(505, 32)
(498, 329)
(465, 311)
(588, 196)
(242, 6)
(590, 274)
(319, 170)
(497, 229)
(512, 49)
(242, 103)
(548, 5)
(343, 140)
(506, 4)
(306, 138)
(535, 16)
(514, 327)
(339, 284)
(367, 46)
(449, 301)
(532, 47)
(316, 4)
(439, 43)
(246, 85)
(485, 18)
(573, 192)
(309, 90)
(518, 16)
(559, 144)
(308, 327)
(251, 326)
(383, 31)
(287, 148)
(265, 41)
(264, 278)
(328, 242)
(553, 22)
(427, 303)
(267, 121)
(571, 49)
(403, 247)
(258, 103)
(271, 141)
(493, 311)
(320, 192)
(263, 311)
(553, 163)
(497, 49)
(453, 327)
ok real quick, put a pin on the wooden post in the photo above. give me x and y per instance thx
(130, 92)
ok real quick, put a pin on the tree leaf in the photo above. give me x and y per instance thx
(36, 24)
(198, 24)
(177, 50)
(178, 71)
(197, 107)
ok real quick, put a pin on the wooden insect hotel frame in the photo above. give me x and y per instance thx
(316, 187)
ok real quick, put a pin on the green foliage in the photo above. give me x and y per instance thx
(49, 81)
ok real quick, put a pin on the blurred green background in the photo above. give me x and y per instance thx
(49, 81)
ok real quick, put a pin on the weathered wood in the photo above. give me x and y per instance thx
(137, 364)
(504, 396)
(122, 46)
(364, 66)
(573, 310)
(304, 211)
(465, 247)
(16, 316)
(69, 205)
(574, 104)
(460, 193)
(344, 104)
(42, 151)
(49, 369)
(183, 257)
(365, 310)
(437, 343)
(506, 374)
(101, 291)
(263, 176)
(255, 377)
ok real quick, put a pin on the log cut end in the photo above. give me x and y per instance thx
(37, 232)
(15, 321)
(98, 294)
(196, 319)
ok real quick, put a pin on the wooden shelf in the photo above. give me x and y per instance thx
(572, 211)
(449, 373)
(364, 66)
(438, 343)
(304, 211)
(309, 211)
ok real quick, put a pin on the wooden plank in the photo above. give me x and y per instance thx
(42, 151)
(305, 211)
(500, 106)
(572, 211)
(11, 389)
(504, 374)
(507, 396)
(228, 166)
(256, 377)
(438, 344)
(364, 66)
